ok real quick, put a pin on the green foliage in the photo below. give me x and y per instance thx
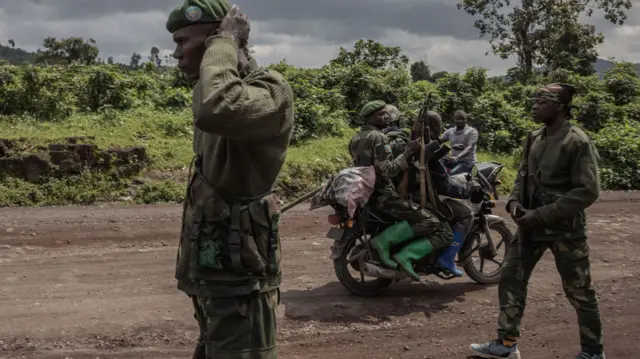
(68, 51)
(151, 106)
(619, 148)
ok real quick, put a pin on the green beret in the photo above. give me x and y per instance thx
(193, 12)
(372, 107)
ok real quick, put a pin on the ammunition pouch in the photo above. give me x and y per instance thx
(230, 239)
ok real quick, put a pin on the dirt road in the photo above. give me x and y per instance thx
(97, 282)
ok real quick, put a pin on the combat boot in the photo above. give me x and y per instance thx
(415, 250)
(394, 234)
(446, 258)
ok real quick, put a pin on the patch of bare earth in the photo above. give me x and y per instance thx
(97, 282)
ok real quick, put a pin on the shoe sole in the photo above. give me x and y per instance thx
(514, 355)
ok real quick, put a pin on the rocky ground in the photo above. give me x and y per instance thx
(97, 282)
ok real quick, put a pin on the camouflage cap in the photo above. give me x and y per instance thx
(372, 107)
(193, 12)
(558, 92)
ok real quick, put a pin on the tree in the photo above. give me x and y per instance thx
(528, 31)
(12, 43)
(420, 71)
(372, 54)
(110, 60)
(68, 50)
(155, 56)
(135, 60)
(438, 75)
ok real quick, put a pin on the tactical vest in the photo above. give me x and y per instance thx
(228, 239)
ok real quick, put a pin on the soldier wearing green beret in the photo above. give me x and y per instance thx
(229, 254)
(370, 147)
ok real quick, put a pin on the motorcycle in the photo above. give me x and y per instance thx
(351, 248)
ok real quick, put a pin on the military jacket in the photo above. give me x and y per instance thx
(561, 180)
(243, 121)
(370, 147)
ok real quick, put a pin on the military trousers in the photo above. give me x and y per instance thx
(572, 263)
(238, 327)
(423, 222)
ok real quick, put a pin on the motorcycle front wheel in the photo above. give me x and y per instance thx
(475, 244)
(360, 286)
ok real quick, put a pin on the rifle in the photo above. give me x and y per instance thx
(416, 131)
(522, 197)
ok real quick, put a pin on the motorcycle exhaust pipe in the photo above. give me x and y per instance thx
(372, 270)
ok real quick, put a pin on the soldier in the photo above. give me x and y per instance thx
(558, 179)
(445, 186)
(229, 256)
(370, 147)
(398, 136)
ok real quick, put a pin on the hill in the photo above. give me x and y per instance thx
(16, 56)
(602, 66)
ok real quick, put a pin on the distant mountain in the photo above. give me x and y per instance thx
(601, 66)
(16, 56)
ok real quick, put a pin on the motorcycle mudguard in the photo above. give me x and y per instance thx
(340, 238)
(492, 218)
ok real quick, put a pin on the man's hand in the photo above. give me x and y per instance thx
(452, 159)
(411, 148)
(529, 220)
(516, 209)
(237, 26)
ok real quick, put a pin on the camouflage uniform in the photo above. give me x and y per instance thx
(562, 181)
(228, 259)
(370, 147)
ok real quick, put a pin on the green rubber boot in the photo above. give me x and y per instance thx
(395, 234)
(415, 250)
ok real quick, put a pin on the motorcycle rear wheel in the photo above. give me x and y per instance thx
(342, 265)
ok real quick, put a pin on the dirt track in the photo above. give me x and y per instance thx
(97, 282)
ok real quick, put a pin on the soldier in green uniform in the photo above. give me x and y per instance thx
(442, 184)
(370, 147)
(228, 259)
(397, 135)
(557, 181)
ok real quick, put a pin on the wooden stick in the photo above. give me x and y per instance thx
(301, 199)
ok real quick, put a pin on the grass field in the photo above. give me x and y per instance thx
(167, 138)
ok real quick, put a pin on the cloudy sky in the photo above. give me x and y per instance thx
(307, 33)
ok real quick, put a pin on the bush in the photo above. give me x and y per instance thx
(151, 106)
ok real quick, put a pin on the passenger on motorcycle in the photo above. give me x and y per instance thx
(370, 147)
(444, 185)
(398, 136)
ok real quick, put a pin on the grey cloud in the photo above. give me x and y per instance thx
(302, 30)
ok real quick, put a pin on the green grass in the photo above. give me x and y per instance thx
(167, 138)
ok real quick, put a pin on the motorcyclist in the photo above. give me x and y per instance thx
(425, 232)
(443, 184)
